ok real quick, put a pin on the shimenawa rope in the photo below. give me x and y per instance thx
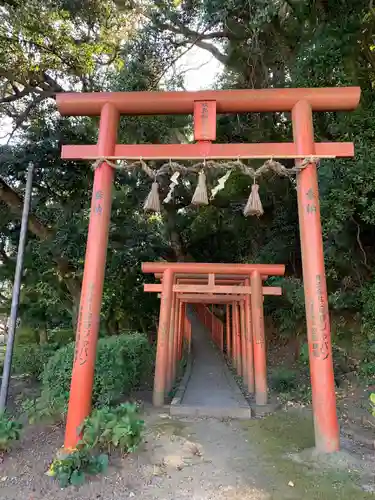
(200, 197)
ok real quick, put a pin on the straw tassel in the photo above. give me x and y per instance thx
(200, 196)
(254, 205)
(152, 203)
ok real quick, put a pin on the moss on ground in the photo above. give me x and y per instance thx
(170, 427)
(283, 433)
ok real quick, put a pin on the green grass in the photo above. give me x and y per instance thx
(289, 432)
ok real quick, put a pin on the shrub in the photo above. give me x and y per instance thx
(26, 335)
(304, 354)
(292, 386)
(367, 370)
(119, 427)
(372, 403)
(283, 380)
(46, 408)
(61, 336)
(367, 364)
(122, 364)
(9, 432)
(31, 359)
(368, 311)
(288, 311)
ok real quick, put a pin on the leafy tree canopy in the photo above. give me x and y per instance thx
(134, 45)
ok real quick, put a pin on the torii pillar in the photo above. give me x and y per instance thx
(327, 435)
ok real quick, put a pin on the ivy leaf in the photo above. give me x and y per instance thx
(77, 478)
(63, 478)
(103, 461)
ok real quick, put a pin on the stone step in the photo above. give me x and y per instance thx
(240, 413)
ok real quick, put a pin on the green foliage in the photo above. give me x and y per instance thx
(31, 359)
(106, 428)
(9, 432)
(72, 468)
(118, 427)
(292, 384)
(46, 408)
(367, 364)
(288, 311)
(341, 362)
(122, 364)
(304, 354)
(372, 403)
(300, 393)
(41, 43)
(26, 335)
(368, 318)
(61, 336)
(283, 380)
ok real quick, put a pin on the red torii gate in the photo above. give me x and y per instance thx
(301, 103)
(247, 346)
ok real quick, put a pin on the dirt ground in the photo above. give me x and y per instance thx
(352, 396)
(201, 459)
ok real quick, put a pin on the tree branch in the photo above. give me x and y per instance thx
(20, 118)
(220, 34)
(15, 203)
(18, 94)
(65, 268)
(52, 82)
(360, 244)
(213, 50)
(197, 39)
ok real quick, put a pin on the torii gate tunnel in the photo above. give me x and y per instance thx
(301, 102)
(239, 287)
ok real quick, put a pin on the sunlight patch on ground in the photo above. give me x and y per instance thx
(284, 435)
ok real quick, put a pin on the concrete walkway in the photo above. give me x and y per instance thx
(211, 390)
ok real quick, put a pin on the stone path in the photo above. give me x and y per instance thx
(211, 389)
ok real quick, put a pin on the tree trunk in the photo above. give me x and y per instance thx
(111, 322)
(174, 236)
(297, 347)
(43, 336)
(143, 325)
(112, 326)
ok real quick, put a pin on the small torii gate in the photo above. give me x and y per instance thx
(301, 102)
(238, 286)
